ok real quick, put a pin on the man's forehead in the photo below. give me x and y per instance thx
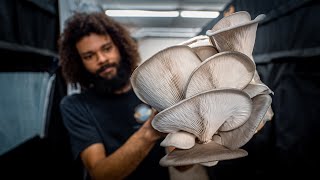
(93, 42)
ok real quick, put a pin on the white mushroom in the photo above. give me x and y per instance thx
(180, 140)
(236, 32)
(201, 154)
(160, 80)
(228, 69)
(208, 93)
(205, 113)
(236, 138)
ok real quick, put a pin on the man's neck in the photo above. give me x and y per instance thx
(123, 90)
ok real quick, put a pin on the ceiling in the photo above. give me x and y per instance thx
(163, 26)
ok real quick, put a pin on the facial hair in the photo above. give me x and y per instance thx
(109, 86)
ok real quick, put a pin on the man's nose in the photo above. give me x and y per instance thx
(101, 57)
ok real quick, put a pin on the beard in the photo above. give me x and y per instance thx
(109, 86)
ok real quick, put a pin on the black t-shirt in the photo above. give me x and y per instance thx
(91, 118)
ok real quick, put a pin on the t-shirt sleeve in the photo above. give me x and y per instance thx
(81, 130)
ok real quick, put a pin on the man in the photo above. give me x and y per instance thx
(99, 54)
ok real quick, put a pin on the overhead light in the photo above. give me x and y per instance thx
(199, 14)
(141, 13)
(166, 32)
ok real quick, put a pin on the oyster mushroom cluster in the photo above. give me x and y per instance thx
(208, 93)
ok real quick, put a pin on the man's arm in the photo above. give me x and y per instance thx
(124, 160)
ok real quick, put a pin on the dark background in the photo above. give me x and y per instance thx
(287, 54)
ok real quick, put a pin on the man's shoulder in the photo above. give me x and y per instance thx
(71, 99)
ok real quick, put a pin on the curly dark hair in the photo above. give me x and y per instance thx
(83, 24)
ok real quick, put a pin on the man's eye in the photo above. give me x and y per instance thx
(106, 49)
(87, 57)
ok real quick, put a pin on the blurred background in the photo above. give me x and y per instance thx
(33, 140)
(155, 24)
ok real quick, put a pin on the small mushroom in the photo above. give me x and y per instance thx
(160, 80)
(228, 69)
(205, 113)
(194, 40)
(236, 138)
(256, 89)
(180, 140)
(236, 32)
(201, 154)
(202, 46)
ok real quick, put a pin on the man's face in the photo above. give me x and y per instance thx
(99, 55)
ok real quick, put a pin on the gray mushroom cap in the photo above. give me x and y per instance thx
(180, 140)
(228, 69)
(203, 114)
(235, 33)
(160, 80)
(236, 138)
(201, 153)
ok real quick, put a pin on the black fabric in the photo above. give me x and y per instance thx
(32, 24)
(108, 120)
(289, 30)
(57, 139)
(17, 61)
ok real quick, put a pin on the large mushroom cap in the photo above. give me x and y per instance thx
(160, 80)
(228, 69)
(203, 114)
(235, 33)
(180, 140)
(201, 153)
(238, 137)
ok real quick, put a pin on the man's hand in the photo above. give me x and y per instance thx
(151, 133)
